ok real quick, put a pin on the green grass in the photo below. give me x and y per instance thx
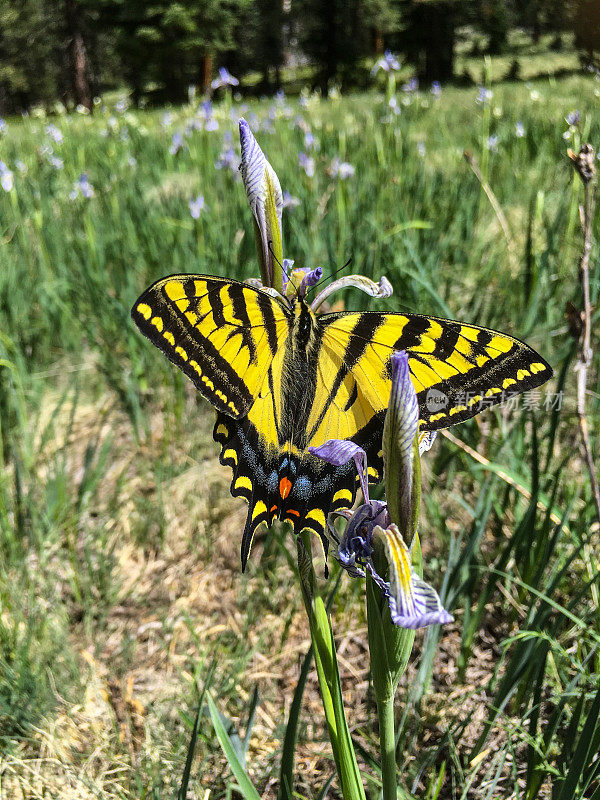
(119, 543)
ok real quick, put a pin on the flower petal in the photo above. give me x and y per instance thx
(399, 431)
(426, 440)
(338, 452)
(413, 603)
(266, 201)
(311, 278)
(379, 290)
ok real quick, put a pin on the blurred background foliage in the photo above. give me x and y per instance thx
(71, 50)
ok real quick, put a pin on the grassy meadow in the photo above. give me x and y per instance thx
(121, 595)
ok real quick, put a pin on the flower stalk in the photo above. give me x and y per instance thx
(328, 675)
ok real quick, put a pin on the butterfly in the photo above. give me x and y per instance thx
(282, 379)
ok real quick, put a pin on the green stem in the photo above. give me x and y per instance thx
(387, 739)
(329, 677)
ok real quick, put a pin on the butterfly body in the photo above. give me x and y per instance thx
(283, 379)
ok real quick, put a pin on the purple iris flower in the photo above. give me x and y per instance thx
(225, 78)
(6, 178)
(411, 86)
(289, 201)
(388, 63)
(341, 169)
(54, 133)
(574, 118)
(82, 187)
(176, 143)
(483, 95)
(197, 206)
(228, 159)
(307, 163)
(412, 602)
(309, 140)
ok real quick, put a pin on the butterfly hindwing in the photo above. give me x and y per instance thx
(311, 487)
(456, 369)
(222, 334)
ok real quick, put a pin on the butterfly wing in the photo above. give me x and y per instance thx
(229, 339)
(456, 369)
(222, 334)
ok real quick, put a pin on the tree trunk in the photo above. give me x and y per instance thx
(77, 55)
(437, 30)
(377, 42)
(206, 67)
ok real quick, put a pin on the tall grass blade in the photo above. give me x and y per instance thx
(245, 784)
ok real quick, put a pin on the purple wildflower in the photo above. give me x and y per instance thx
(309, 141)
(289, 201)
(436, 89)
(388, 63)
(573, 118)
(228, 159)
(225, 78)
(176, 143)
(492, 143)
(197, 206)
(307, 163)
(340, 169)
(54, 133)
(6, 178)
(519, 130)
(411, 86)
(483, 95)
(82, 187)
(412, 602)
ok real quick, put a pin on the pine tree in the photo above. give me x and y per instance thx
(337, 34)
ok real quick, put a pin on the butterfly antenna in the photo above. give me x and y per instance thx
(333, 274)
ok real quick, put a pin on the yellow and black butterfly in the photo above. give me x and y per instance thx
(283, 379)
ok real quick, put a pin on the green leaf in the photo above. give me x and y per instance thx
(584, 753)
(245, 785)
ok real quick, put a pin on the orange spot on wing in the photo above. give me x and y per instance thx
(293, 511)
(273, 508)
(285, 487)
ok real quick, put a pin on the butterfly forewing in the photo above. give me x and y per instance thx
(456, 369)
(222, 334)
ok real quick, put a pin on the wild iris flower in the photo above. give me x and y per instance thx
(267, 202)
(340, 169)
(388, 63)
(225, 78)
(6, 177)
(307, 163)
(197, 206)
(412, 602)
